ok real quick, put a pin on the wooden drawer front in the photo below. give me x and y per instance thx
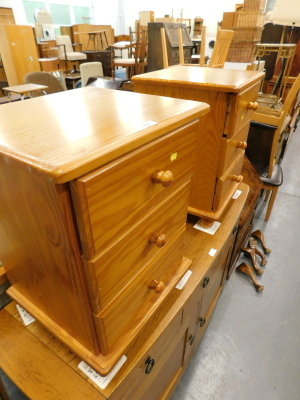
(166, 357)
(231, 149)
(125, 191)
(239, 110)
(226, 185)
(213, 280)
(128, 312)
(117, 266)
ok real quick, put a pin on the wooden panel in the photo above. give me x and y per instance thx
(169, 344)
(227, 21)
(24, 357)
(126, 203)
(230, 149)
(125, 316)
(18, 51)
(39, 247)
(6, 16)
(239, 112)
(117, 266)
(225, 185)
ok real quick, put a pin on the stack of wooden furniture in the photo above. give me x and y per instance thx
(248, 26)
(104, 258)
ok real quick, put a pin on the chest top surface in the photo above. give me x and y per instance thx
(215, 79)
(67, 134)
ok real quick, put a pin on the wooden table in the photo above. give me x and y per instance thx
(29, 88)
(92, 39)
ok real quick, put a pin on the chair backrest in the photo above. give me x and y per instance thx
(141, 49)
(122, 38)
(221, 48)
(47, 79)
(64, 40)
(259, 145)
(90, 69)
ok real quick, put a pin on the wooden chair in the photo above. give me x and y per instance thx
(259, 151)
(219, 54)
(137, 64)
(221, 48)
(278, 117)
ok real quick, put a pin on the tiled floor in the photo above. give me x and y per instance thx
(251, 349)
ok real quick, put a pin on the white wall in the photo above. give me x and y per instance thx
(210, 10)
(121, 14)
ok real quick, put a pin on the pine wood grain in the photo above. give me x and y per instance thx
(129, 193)
(62, 137)
(23, 352)
(120, 263)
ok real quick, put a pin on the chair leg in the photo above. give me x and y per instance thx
(271, 201)
(260, 236)
(246, 269)
(267, 194)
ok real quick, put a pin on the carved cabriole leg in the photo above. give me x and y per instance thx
(252, 244)
(246, 269)
(250, 252)
(259, 236)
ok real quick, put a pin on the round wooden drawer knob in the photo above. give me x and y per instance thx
(252, 106)
(236, 178)
(157, 286)
(241, 145)
(158, 238)
(164, 177)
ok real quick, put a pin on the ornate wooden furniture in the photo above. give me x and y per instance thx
(161, 353)
(223, 138)
(94, 212)
(155, 49)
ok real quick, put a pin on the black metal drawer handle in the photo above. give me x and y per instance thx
(149, 365)
(205, 282)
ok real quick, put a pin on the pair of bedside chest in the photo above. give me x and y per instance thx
(93, 230)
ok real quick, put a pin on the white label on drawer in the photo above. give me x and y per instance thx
(145, 125)
(212, 252)
(211, 230)
(180, 285)
(236, 194)
(27, 318)
(101, 381)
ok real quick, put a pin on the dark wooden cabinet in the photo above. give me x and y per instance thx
(103, 56)
(155, 56)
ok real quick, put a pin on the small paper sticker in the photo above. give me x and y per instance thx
(211, 230)
(146, 124)
(236, 194)
(173, 156)
(99, 380)
(180, 285)
(26, 317)
(212, 252)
